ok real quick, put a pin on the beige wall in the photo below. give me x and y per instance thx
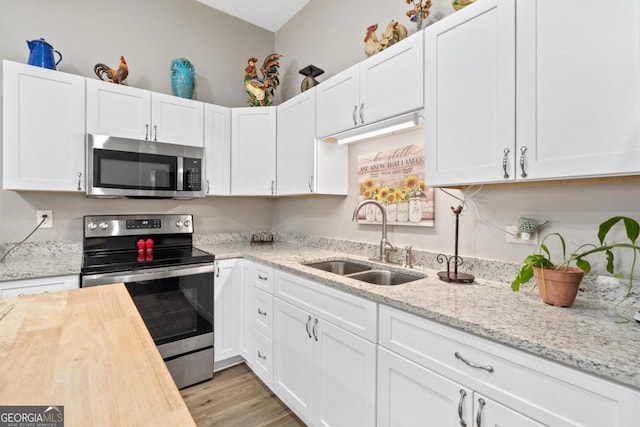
(329, 34)
(149, 33)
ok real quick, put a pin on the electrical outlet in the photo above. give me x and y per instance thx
(48, 222)
(515, 236)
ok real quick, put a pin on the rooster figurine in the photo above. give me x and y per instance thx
(109, 74)
(392, 34)
(261, 90)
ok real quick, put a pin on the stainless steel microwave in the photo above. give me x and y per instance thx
(121, 167)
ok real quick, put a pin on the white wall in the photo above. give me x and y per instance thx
(329, 34)
(149, 33)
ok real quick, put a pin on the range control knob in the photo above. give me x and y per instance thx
(103, 226)
(178, 223)
(187, 223)
(92, 226)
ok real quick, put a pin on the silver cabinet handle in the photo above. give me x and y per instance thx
(261, 277)
(481, 404)
(262, 313)
(311, 184)
(273, 184)
(504, 163)
(315, 329)
(362, 113)
(523, 150)
(217, 269)
(463, 394)
(355, 110)
(308, 324)
(155, 132)
(208, 187)
(146, 132)
(487, 368)
(261, 356)
(79, 181)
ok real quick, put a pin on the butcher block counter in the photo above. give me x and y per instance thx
(89, 351)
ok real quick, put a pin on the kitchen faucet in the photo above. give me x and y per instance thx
(385, 246)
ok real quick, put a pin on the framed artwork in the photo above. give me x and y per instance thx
(395, 178)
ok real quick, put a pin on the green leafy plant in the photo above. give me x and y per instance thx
(541, 257)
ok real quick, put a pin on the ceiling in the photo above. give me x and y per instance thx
(269, 15)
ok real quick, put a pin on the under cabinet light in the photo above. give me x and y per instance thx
(384, 127)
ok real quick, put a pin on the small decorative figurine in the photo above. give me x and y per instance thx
(392, 34)
(117, 76)
(310, 72)
(261, 90)
(182, 78)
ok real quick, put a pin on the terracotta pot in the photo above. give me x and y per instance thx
(558, 287)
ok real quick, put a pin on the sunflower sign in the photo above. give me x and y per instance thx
(395, 178)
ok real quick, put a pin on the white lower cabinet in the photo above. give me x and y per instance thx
(411, 395)
(443, 376)
(324, 373)
(42, 285)
(227, 308)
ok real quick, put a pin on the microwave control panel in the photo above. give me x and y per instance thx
(192, 179)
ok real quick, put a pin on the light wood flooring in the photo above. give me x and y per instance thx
(236, 397)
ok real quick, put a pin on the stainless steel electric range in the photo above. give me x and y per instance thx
(170, 282)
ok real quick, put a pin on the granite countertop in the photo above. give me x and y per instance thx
(586, 336)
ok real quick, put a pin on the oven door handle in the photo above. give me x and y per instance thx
(145, 275)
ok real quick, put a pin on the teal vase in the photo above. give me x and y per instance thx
(183, 75)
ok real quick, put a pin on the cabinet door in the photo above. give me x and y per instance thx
(296, 144)
(345, 377)
(177, 120)
(470, 95)
(391, 82)
(227, 313)
(44, 285)
(488, 413)
(331, 174)
(411, 395)
(578, 88)
(293, 350)
(44, 131)
(217, 143)
(338, 102)
(117, 110)
(253, 151)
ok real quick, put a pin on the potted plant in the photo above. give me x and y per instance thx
(558, 283)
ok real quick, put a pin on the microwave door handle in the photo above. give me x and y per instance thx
(180, 174)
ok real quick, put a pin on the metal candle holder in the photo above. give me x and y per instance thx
(456, 277)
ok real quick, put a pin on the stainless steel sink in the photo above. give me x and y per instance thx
(364, 272)
(384, 277)
(342, 267)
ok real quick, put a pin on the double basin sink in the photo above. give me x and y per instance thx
(365, 272)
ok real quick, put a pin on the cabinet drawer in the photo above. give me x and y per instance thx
(262, 358)
(261, 277)
(518, 379)
(263, 313)
(37, 286)
(356, 315)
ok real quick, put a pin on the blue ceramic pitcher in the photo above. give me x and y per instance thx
(41, 54)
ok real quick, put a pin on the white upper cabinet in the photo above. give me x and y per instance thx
(253, 151)
(563, 102)
(385, 85)
(44, 131)
(128, 112)
(578, 88)
(306, 165)
(470, 94)
(217, 143)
